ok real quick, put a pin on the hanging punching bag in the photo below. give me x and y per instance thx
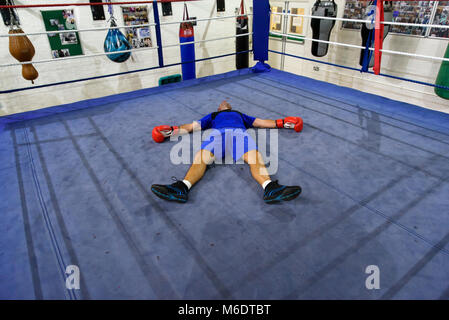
(443, 77)
(242, 43)
(186, 34)
(368, 31)
(322, 28)
(22, 49)
(116, 41)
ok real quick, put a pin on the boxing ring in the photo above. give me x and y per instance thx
(75, 190)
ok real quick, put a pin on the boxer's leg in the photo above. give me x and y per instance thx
(197, 169)
(258, 170)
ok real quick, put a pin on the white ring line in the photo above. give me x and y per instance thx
(110, 28)
(360, 47)
(122, 51)
(364, 21)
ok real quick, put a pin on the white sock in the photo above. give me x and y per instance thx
(265, 184)
(187, 183)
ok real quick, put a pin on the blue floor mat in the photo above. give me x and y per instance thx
(75, 190)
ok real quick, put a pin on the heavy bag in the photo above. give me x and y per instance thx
(443, 77)
(242, 43)
(116, 41)
(365, 31)
(22, 49)
(186, 34)
(322, 28)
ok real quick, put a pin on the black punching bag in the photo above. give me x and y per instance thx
(242, 43)
(322, 27)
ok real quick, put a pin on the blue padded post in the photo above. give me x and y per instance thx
(261, 29)
(158, 33)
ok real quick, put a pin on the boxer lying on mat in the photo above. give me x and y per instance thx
(218, 144)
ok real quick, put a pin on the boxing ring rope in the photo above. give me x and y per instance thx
(355, 69)
(81, 4)
(122, 51)
(216, 39)
(122, 73)
(361, 47)
(363, 21)
(119, 27)
(74, 30)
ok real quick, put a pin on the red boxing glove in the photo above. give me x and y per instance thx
(290, 123)
(161, 132)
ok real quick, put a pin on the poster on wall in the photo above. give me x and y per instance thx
(403, 11)
(64, 44)
(276, 19)
(411, 12)
(353, 10)
(139, 37)
(297, 23)
(441, 17)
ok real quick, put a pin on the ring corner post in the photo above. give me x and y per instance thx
(378, 36)
(261, 29)
(158, 34)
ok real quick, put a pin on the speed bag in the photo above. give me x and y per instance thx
(242, 43)
(443, 77)
(23, 50)
(322, 28)
(388, 16)
(116, 41)
(186, 34)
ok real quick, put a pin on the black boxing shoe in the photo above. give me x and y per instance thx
(177, 191)
(274, 192)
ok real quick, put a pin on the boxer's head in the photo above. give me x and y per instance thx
(224, 105)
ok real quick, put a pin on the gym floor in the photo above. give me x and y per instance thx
(75, 190)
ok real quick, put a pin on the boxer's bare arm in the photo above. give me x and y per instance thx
(190, 127)
(264, 123)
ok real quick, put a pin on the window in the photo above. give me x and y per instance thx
(419, 12)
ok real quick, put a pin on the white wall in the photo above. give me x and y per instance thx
(407, 67)
(92, 42)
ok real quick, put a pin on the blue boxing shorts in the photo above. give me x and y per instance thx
(226, 141)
